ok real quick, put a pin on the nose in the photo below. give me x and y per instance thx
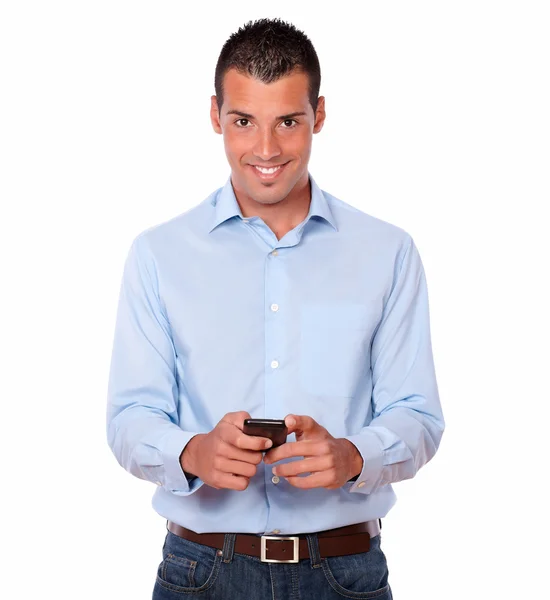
(266, 146)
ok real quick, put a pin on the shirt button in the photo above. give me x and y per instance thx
(274, 253)
(361, 484)
(275, 479)
(274, 307)
(274, 364)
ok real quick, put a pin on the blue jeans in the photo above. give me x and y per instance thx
(189, 569)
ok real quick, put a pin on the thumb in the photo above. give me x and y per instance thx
(302, 425)
(236, 418)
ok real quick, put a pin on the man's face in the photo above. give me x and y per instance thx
(267, 125)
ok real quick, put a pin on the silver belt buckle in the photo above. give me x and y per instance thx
(295, 552)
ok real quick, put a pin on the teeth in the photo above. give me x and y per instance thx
(267, 171)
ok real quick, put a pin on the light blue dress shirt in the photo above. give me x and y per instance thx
(216, 315)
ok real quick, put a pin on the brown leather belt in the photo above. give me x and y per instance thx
(289, 548)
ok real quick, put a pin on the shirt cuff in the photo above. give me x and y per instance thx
(371, 450)
(175, 480)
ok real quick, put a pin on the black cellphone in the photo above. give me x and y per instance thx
(274, 429)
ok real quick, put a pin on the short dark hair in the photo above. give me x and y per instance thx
(268, 49)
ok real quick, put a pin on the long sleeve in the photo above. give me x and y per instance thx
(407, 423)
(143, 428)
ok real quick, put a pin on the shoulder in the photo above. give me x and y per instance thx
(182, 228)
(366, 226)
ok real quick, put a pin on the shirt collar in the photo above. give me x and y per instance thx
(226, 206)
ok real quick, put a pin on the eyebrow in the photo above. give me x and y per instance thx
(249, 116)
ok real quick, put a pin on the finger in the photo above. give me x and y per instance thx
(290, 421)
(298, 467)
(300, 424)
(236, 418)
(302, 448)
(251, 442)
(320, 479)
(231, 482)
(233, 435)
(234, 467)
(244, 455)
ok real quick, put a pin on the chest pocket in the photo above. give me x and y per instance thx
(334, 348)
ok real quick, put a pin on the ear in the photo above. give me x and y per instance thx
(215, 115)
(320, 115)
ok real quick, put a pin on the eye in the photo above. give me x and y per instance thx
(239, 123)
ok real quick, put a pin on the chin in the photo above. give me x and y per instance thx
(266, 198)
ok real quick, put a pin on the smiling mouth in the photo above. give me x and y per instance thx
(268, 172)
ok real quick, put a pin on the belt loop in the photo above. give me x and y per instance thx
(313, 546)
(228, 547)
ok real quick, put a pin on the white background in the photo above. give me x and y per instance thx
(437, 121)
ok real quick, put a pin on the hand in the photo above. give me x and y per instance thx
(331, 461)
(225, 458)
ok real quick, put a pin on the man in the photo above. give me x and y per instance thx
(272, 298)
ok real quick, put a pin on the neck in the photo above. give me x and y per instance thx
(283, 216)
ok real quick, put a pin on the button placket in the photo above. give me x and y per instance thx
(274, 363)
(275, 339)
